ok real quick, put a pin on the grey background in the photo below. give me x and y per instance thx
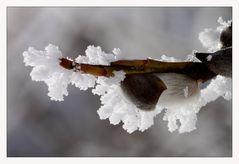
(37, 126)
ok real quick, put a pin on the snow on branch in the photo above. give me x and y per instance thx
(181, 96)
(210, 38)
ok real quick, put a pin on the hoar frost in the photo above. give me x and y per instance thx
(209, 37)
(114, 105)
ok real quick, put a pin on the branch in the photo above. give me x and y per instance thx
(195, 70)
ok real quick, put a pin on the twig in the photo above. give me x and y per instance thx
(198, 71)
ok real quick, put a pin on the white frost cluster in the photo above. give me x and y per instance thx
(209, 37)
(46, 68)
(115, 106)
(185, 113)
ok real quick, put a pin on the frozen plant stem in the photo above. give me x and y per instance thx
(127, 88)
(88, 72)
(195, 70)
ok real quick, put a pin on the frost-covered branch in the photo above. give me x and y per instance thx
(135, 91)
(196, 70)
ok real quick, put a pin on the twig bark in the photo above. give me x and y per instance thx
(197, 71)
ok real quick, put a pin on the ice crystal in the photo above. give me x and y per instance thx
(209, 37)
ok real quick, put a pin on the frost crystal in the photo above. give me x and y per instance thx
(116, 107)
(210, 37)
(209, 57)
(192, 57)
(46, 68)
(94, 55)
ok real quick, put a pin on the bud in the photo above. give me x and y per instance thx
(220, 62)
(226, 37)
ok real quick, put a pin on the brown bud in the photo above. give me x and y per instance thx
(66, 63)
(226, 37)
(143, 90)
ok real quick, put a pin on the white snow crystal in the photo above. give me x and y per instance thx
(169, 59)
(192, 57)
(94, 55)
(210, 37)
(181, 116)
(83, 81)
(220, 86)
(209, 57)
(186, 113)
(117, 52)
(46, 68)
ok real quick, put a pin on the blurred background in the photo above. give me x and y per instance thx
(37, 126)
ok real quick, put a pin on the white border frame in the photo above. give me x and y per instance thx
(110, 3)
